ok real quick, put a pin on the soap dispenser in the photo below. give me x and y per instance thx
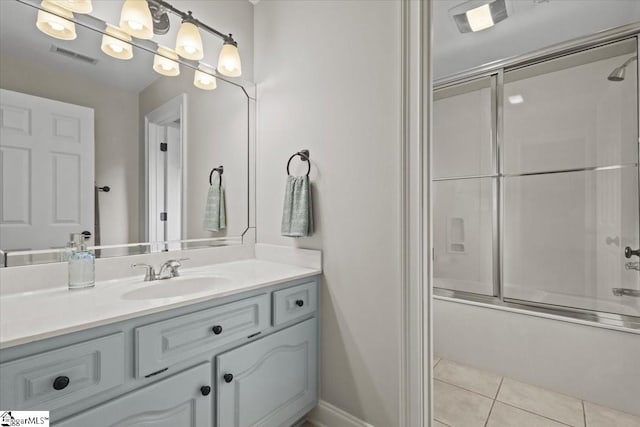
(81, 263)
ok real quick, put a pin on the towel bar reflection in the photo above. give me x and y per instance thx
(220, 170)
(304, 155)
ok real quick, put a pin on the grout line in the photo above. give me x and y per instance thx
(435, 419)
(499, 387)
(535, 413)
(489, 414)
(436, 364)
(584, 413)
(458, 386)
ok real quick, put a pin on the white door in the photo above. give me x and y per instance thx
(46, 171)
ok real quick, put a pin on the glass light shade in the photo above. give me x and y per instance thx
(55, 21)
(204, 81)
(229, 61)
(189, 42)
(116, 43)
(76, 6)
(163, 62)
(136, 20)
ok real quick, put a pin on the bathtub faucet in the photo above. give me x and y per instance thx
(620, 292)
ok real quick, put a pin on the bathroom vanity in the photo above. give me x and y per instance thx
(240, 352)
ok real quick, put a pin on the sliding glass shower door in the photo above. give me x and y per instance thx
(536, 183)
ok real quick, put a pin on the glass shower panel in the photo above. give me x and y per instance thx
(564, 239)
(463, 235)
(567, 114)
(462, 130)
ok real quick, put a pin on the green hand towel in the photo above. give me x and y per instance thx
(215, 218)
(297, 215)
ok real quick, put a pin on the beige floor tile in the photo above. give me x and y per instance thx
(482, 382)
(549, 404)
(507, 416)
(457, 407)
(599, 416)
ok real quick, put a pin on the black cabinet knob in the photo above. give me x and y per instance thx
(205, 390)
(628, 252)
(299, 303)
(217, 329)
(227, 378)
(60, 382)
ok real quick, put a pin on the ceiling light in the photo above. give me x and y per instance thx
(136, 20)
(164, 62)
(76, 6)
(56, 21)
(229, 59)
(116, 43)
(516, 99)
(204, 80)
(478, 15)
(189, 42)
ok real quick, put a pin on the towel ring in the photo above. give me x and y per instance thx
(304, 155)
(220, 170)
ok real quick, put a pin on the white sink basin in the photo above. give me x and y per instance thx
(176, 287)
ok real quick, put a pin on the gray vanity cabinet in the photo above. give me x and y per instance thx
(269, 381)
(184, 399)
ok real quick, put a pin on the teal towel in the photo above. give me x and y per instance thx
(297, 216)
(215, 218)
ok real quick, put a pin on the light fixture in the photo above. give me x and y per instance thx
(76, 6)
(56, 22)
(164, 62)
(204, 79)
(515, 99)
(117, 43)
(229, 59)
(136, 20)
(189, 42)
(478, 15)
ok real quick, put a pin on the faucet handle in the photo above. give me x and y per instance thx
(150, 273)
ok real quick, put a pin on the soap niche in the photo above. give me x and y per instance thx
(455, 235)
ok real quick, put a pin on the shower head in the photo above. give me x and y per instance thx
(617, 75)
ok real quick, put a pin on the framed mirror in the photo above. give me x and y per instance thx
(112, 148)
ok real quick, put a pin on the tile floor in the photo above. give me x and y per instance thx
(468, 397)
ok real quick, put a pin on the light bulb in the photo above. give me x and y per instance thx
(189, 42)
(136, 20)
(55, 21)
(229, 60)
(116, 43)
(164, 62)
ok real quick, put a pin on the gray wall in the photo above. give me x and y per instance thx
(328, 75)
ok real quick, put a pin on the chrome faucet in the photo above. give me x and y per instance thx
(168, 270)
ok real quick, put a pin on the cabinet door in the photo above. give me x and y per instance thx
(271, 382)
(180, 400)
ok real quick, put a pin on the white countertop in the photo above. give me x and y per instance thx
(32, 316)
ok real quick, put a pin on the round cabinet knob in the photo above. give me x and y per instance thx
(299, 303)
(205, 390)
(217, 329)
(227, 378)
(60, 382)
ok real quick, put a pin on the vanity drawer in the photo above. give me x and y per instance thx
(162, 344)
(54, 379)
(294, 302)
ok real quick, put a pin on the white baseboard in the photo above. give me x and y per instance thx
(327, 415)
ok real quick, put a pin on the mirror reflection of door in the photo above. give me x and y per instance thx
(46, 171)
(165, 146)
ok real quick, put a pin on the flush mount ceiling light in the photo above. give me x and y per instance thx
(164, 62)
(136, 20)
(56, 22)
(516, 99)
(116, 43)
(478, 15)
(76, 6)
(189, 42)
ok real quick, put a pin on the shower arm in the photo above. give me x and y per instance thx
(629, 61)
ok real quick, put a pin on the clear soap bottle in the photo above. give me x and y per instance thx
(81, 264)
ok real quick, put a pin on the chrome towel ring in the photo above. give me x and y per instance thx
(304, 155)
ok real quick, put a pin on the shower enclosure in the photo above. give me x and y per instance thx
(536, 182)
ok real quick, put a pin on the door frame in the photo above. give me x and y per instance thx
(174, 108)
